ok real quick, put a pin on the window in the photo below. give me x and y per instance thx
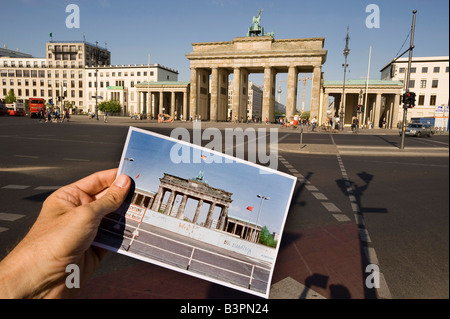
(412, 83)
(446, 69)
(436, 69)
(401, 70)
(421, 99)
(413, 70)
(434, 84)
(423, 84)
(433, 100)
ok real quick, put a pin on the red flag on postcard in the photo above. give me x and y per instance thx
(250, 208)
(138, 176)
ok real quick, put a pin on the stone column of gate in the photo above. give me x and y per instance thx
(315, 91)
(268, 102)
(138, 110)
(158, 199)
(214, 94)
(243, 104)
(150, 110)
(210, 215)
(291, 100)
(169, 204)
(223, 218)
(172, 104)
(377, 111)
(197, 211)
(185, 106)
(395, 110)
(222, 107)
(161, 102)
(182, 206)
(193, 93)
(236, 94)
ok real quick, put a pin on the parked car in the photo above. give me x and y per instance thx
(418, 129)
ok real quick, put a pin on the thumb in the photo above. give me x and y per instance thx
(113, 198)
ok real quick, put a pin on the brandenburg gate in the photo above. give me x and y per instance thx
(211, 63)
(194, 189)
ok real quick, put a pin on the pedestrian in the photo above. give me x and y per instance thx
(314, 123)
(61, 236)
(49, 115)
(105, 118)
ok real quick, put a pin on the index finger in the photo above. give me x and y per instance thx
(97, 182)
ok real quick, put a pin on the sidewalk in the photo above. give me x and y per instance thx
(306, 148)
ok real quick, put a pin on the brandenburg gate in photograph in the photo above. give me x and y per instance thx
(211, 63)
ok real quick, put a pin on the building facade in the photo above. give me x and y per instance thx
(383, 102)
(429, 79)
(118, 82)
(79, 71)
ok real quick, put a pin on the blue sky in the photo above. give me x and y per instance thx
(165, 29)
(151, 159)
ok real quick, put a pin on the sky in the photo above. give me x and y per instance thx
(152, 158)
(166, 29)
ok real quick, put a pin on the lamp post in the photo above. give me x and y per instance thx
(342, 112)
(254, 237)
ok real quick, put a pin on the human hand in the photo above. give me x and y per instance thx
(62, 235)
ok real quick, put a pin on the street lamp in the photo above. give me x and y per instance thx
(259, 212)
(342, 113)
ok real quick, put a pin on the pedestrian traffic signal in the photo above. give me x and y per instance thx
(359, 108)
(409, 100)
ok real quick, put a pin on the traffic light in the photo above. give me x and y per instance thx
(359, 108)
(409, 100)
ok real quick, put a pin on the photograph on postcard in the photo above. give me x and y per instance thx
(211, 215)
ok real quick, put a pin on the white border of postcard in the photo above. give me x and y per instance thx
(149, 215)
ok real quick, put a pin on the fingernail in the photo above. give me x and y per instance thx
(121, 181)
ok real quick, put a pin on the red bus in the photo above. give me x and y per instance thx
(36, 104)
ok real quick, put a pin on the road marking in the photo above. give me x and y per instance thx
(319, 196)
(76, 159)
(370, 253)
(331, 207)
(341, 217)
(10, 217)
(26, 156)
(47, 188)
(16, 186)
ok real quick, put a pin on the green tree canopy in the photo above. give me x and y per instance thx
(266, 238)
(111, 106)
(10, 98)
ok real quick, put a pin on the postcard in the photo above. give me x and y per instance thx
(215, 217)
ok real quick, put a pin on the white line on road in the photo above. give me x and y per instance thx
(331, 207)
(10, 217)
(47, 188)
(76, 159)
(16, 186)
(26, 156)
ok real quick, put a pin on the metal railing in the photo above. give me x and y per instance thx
(191, 254)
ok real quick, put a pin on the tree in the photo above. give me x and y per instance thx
(266, 238)
(10, 98)
(305, 115)
(112, 106)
